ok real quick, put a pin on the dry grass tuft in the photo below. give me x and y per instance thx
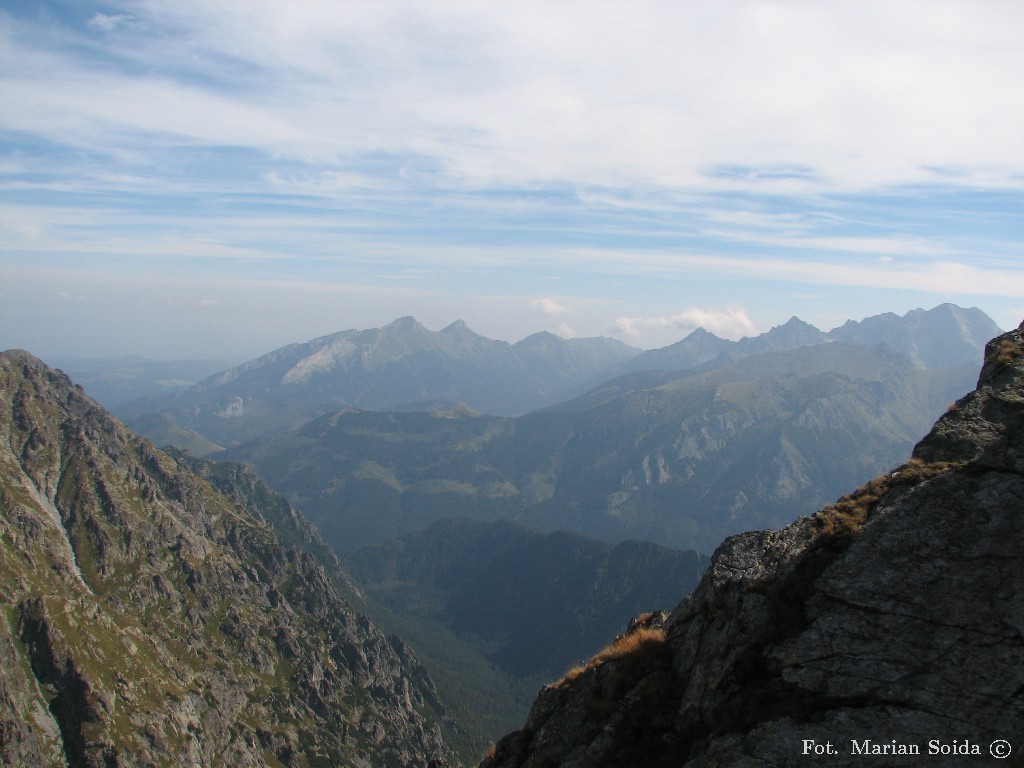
(847, 515)
(638, 641)
(1006, 351)
(636, 644)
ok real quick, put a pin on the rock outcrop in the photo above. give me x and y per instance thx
(148, 619)
(888, 622)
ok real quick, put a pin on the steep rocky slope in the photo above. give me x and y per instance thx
(893, 618)
(148, 619)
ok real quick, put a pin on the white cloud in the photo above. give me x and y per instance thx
(851, 94)
(108, 23)
(550, 306)
(732, 322)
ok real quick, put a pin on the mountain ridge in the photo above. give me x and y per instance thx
(902, 334)
(149, 619)
(684, 459)
(399, 366)
(890, 617)
(404, 366)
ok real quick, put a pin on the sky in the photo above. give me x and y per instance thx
(219, 178)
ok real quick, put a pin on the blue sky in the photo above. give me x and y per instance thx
(220, 178)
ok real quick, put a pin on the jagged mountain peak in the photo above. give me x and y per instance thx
(942, 337)
(889, 619)
(541, 338)
(702, 348)
(701, 333)
(794, 323)
(406, 323)
(790, 335)
(402, 327)
(458, 326)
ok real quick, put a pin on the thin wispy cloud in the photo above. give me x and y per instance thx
(108, 23)
(645, 157)
(550, 306)
(756, 93)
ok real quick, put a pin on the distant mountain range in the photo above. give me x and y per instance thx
(680, 458)
(402, 366)
(942, 337)
(765, 427)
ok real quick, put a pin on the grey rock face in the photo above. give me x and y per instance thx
(150, 620)
(892, 619)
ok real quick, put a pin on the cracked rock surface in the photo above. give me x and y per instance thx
(896, 613)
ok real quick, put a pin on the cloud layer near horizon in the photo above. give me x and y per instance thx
(605, 164)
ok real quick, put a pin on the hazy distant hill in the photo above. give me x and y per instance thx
(942, 337)
(118, 380)
(402, 366)
(704, 349)
(681, 458)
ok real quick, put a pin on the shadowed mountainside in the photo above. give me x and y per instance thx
(494, 610)
(538, 601)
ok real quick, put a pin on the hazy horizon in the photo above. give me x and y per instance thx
(58, 358)
(218, 179)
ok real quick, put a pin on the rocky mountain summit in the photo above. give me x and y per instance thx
(941, 337)
(888, 623)
(401, 366)
(149, 619)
